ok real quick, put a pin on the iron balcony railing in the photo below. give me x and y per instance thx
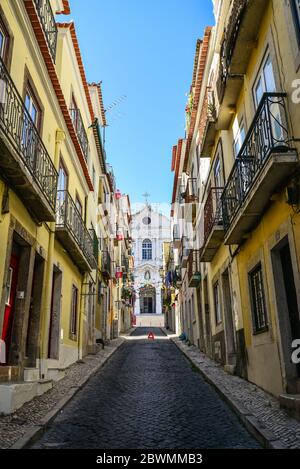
(191, 193)
(208, 116)
(80, 131)
(184, 250)
(194, 265)
(111, 177)
(125, 263)
(212, 211)
(96, 243)
(48, 23)
(268, 134)
(181, 194)
(69, 218)
(106, 265)
(228, 44)
(18, 126)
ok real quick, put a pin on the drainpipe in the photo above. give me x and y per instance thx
(59, 138)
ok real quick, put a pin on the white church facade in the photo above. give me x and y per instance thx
(150, 230)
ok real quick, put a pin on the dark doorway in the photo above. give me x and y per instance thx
(291, 295)
(148, 300)
(229, 325)
(54, 327)
(287, 306)
(22, 261)
(207, 318)
(147, 305)
(201, 322)
(32, 339)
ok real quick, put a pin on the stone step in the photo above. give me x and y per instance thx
(291, 403)
(13, 395)
(31, 374)
(9, 373)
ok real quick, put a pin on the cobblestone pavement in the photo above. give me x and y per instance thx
(147, 396)
(263, 407)
(14, 427)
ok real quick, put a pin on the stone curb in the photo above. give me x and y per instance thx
(264, 436)
(36, 431)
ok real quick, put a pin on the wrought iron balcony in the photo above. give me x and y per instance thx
(184, 251)
(25, 162)
(229, 42)
(207, 128)
(111, 177)
(263, 165)
(194, 270)
(96, 243)
(80, 131)
(181, 194)
(73, 234)
(213, 230)
(125, 263)
(191, 192)
(239, 40)
(106, 264)
(47, 19)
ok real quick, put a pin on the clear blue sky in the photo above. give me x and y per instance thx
(144, 50)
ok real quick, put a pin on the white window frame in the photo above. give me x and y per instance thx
(147, 250)
(261, 76)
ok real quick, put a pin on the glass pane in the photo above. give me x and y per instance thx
(239, 139)
(269, 76)
(259, 91)
(62, 180)
(218, 181)
(34, 113)
(27, 102)
(2, 40)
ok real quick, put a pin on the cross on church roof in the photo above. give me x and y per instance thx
(146, 195)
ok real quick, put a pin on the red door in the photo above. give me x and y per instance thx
(10, 301)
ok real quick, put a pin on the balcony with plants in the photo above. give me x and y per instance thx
(207, 127)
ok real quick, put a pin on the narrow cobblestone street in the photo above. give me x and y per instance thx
(147, 396)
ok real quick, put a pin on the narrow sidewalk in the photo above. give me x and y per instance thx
(25, 425)
(259, 411)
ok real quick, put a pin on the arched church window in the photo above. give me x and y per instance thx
(147, 250)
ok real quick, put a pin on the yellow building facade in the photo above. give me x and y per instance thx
(243, 160)
(54, 226)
